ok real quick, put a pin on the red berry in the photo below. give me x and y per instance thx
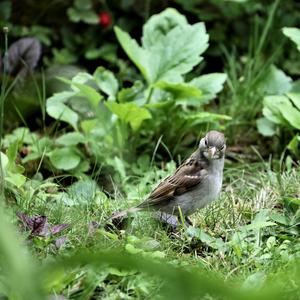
(104, 19)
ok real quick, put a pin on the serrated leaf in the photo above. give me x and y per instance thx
(294, 34)
(158, 25)
(107, 82)
(177, 53)
(169, 57)
(64, 158)
(133, 50)
(130, 113)
(71, 139)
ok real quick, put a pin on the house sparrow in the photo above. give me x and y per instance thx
(196, 183)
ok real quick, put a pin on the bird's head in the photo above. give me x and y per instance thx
(213, 145)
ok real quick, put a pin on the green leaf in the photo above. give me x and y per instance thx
(90, 93)
(295, 98)
(172, 54)
(62, 112)
(289, 112)
(294, 34)
(266, 127)
(210, 84)
(271, 109)
(107, 52)
(16, 179)
(133, 50)
(88, 16)
(179, 90)
(258, 225)
(275, 82)
(158, 25)
(71, 139)
(204, 117)
(64, 158)
(177, 53)
(130, 113)
(107, 82)
(79, 84)
(133, 93)
(56, 108)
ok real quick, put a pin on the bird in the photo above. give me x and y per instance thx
(194, 184)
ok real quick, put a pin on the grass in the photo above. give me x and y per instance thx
(247, 237)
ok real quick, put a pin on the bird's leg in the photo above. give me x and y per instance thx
(188, 221)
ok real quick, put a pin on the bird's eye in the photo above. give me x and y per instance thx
(221, 148)
(205, 141)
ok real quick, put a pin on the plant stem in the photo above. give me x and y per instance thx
(149, 95)
(2, 98)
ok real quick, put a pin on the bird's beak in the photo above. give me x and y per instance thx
(211, 152)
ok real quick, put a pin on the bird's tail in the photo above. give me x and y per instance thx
(124, 213)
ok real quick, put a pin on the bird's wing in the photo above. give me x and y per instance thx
(186, 177)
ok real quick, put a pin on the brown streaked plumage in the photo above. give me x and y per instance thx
(193, 185)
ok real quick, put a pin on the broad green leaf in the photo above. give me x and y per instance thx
(90, 93)
(64, 158)
(62, 96)
(159, 25)
(81, 77)
(294, 34)
(210, 84)
(177, 53)
(70, 139)
(16, 179)
(271, 109)
(107, 82)
(179, 90)
(289, 112)
(62, 112)
(295, 98)
(133, 50)
(130, 113)
(172, 54)
(275, 82)
(266, 127)
(79, 84)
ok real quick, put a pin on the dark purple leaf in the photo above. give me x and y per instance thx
(23, 56)
(60, 241)
(39, 226)
(58, 228)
